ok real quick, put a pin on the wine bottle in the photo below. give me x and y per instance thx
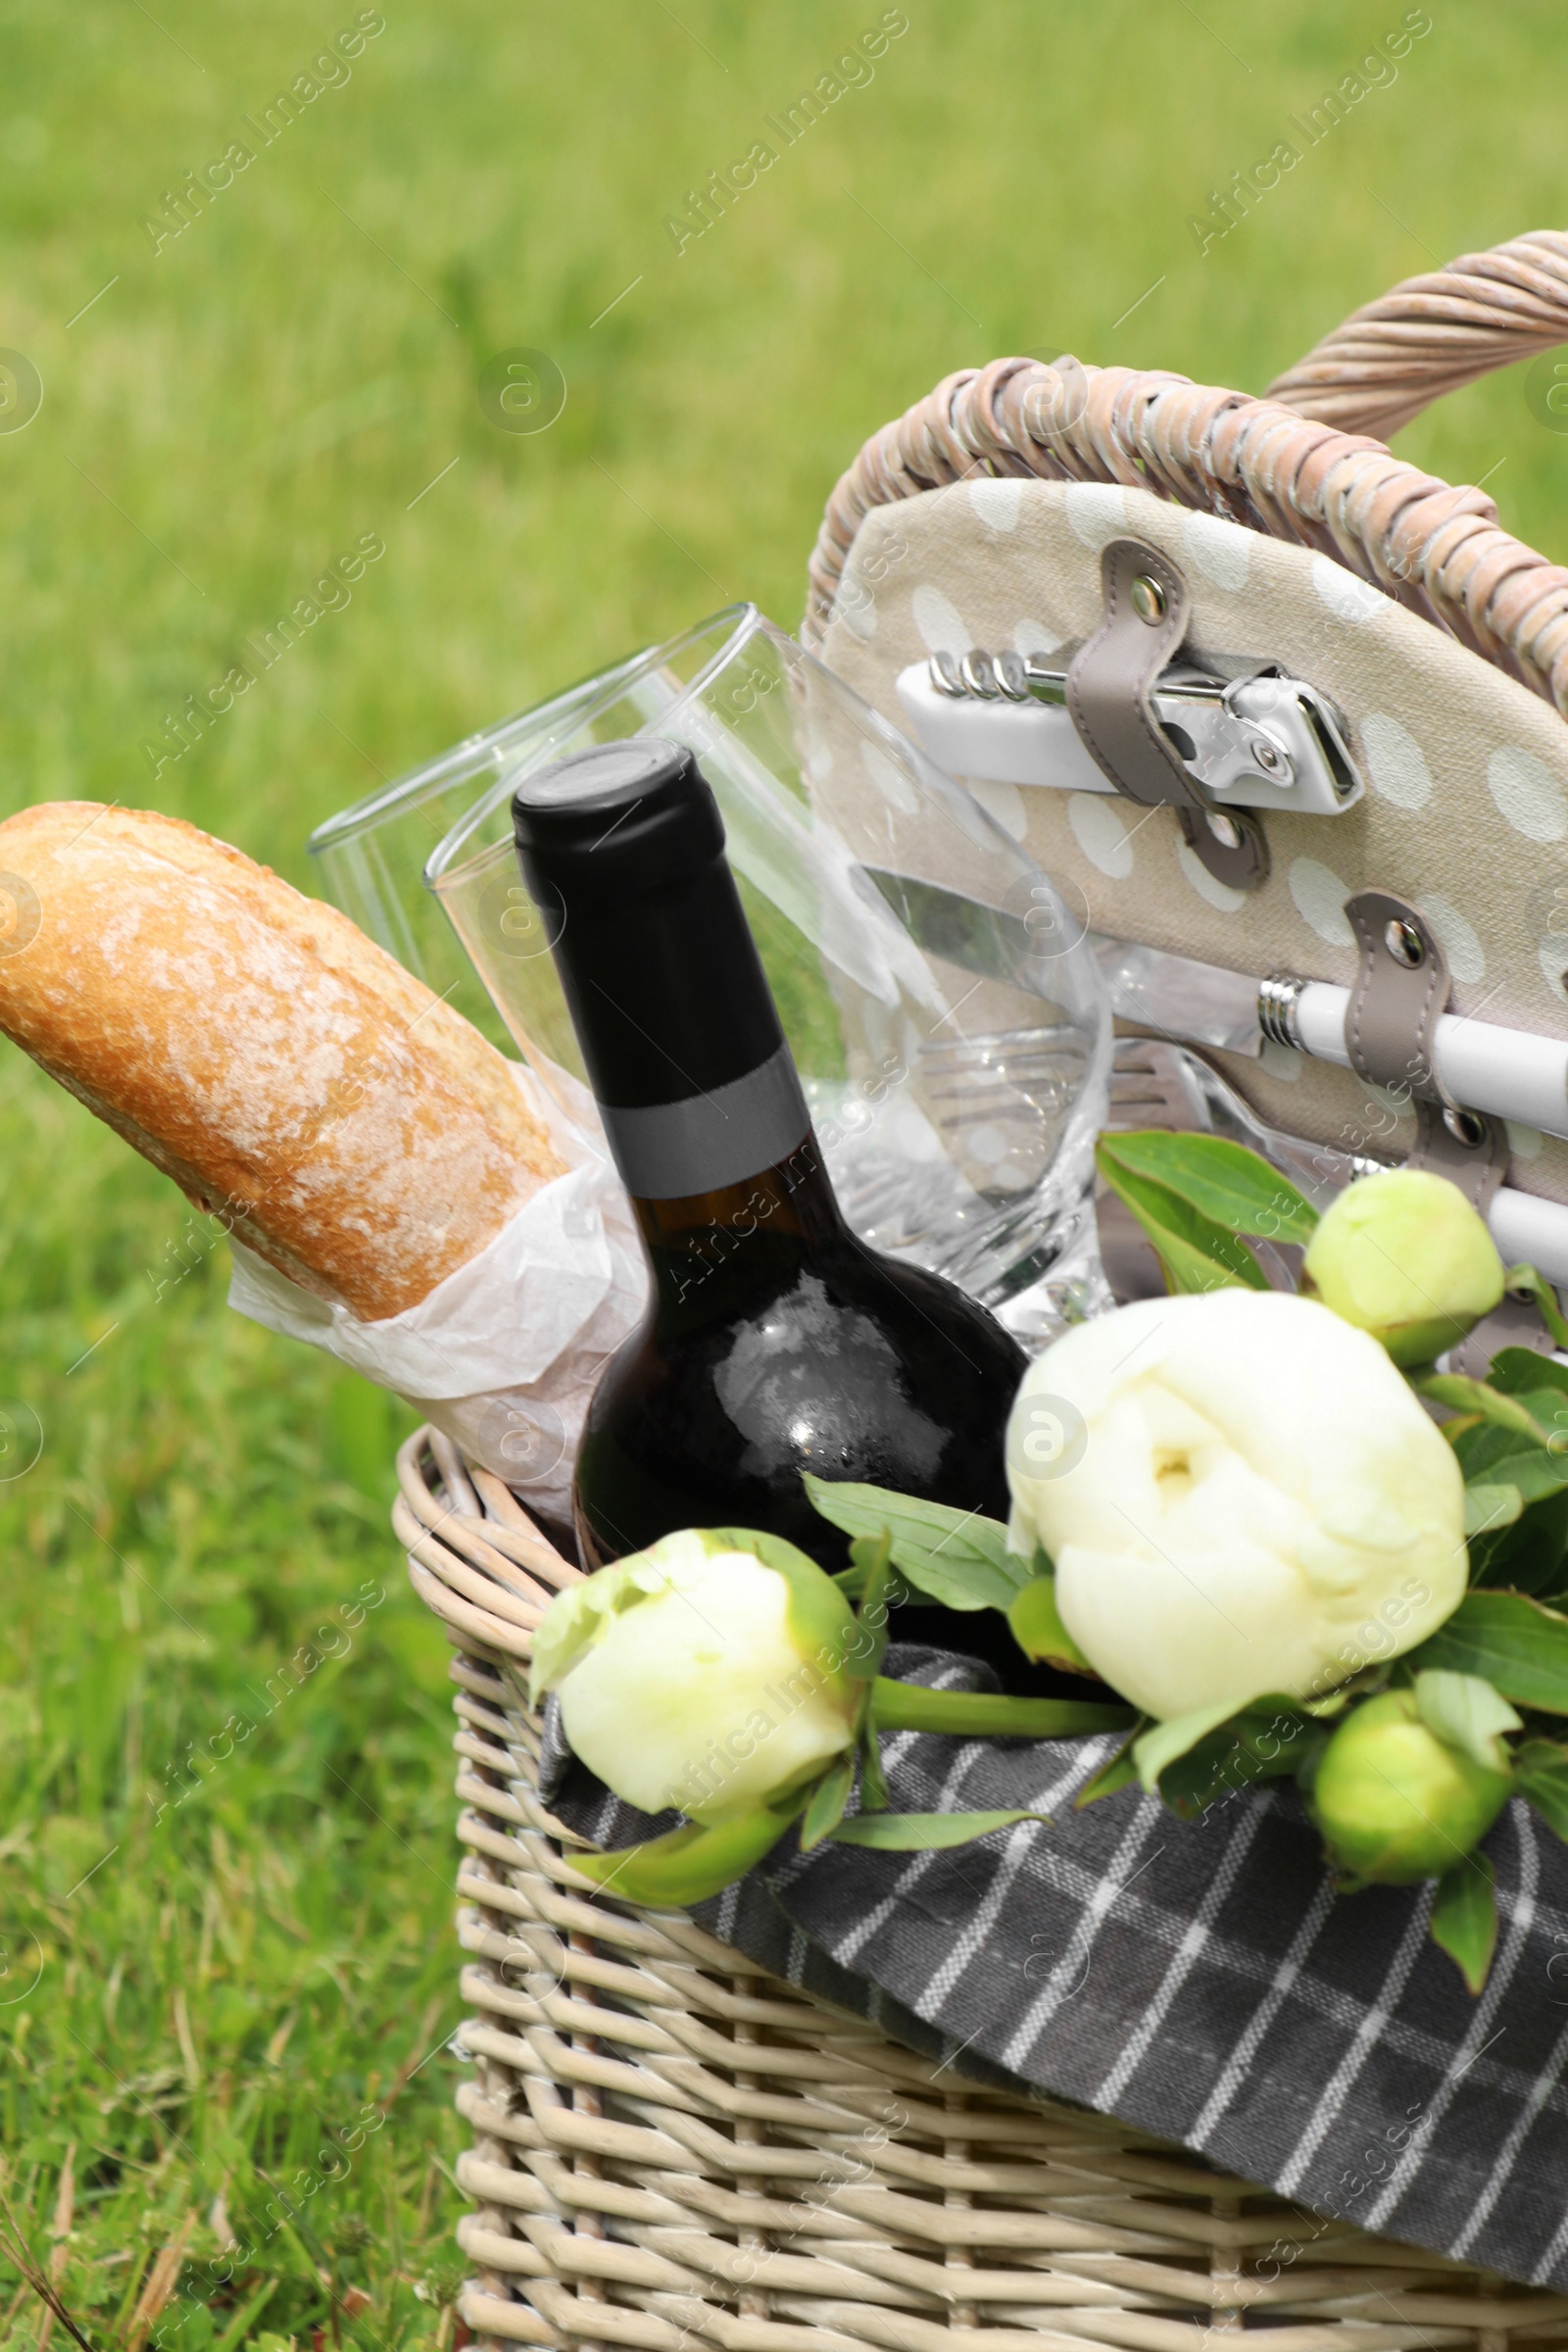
(775, 1341)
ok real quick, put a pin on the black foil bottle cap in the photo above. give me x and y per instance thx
(622, 848)
(615, 819)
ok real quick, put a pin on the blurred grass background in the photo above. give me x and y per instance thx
(221, 1960)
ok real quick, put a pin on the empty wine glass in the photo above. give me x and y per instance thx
(370, 857)
(943, 1007)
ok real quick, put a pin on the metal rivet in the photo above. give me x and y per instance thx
(1466, 1127)
(1266, 756)
(1149, 599)
(1405, 944)
(1226, 831)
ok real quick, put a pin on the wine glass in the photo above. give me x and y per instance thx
(942, 1002)
(370, 857)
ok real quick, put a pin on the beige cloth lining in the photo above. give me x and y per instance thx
(1466, 809)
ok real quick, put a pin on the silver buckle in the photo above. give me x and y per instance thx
(1265, 741)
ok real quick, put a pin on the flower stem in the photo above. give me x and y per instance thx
(981, 1714)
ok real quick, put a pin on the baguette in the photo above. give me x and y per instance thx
(292, 1078)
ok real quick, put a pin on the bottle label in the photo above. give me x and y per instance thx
(671, 1149)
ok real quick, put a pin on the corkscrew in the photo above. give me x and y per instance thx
(1261, 741)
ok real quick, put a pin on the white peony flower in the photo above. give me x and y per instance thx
(698, 1675)
(1240, 1495)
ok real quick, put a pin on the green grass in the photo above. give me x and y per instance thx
(200, 2000)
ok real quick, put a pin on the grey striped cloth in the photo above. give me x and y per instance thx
(1197, 1979)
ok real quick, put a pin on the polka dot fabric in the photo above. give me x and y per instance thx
(1466, 807)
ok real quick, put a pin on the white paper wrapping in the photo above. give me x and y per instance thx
(502, 1355)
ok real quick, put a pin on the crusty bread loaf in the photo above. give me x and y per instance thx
(292, 1078)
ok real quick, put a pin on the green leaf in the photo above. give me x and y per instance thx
(988, 1714)
(1235, 1187)
(1468, 1714)
(1530, 1555)
(1479, 1396)
(1540, 1775)
(1121, 1771)
(1273, 1740)
(1166, 1742)
(828, 1800)
(1037, 1630)
(1487, 1507)
(1518, 1370)
(912, 1833)
(1511, 1641)
(1538, 1476)
(1197, 1254)
(1525, 1278)
(1549, 1406)
(1464, 1918)
(692, 1862)
(958, 1557)
(1490, 1456)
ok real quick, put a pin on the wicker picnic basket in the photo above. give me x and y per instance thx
(672, 2151)
(1298, 464)
(673, 2148)
(985, 517)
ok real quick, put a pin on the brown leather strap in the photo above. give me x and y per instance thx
(1111, 677)
(1240, 862)
(1471, 1151)
(1109, 683)
(1390, 1034)
(1391, 1022)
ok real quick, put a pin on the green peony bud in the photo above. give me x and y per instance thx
(1404, 1256)
(712, 1672)
(1395, 1802)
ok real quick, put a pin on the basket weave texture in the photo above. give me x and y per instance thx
(1298, 464)
(672, 2151)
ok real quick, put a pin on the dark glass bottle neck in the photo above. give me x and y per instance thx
(711, 1253)
(660, 975)
(679, 1034)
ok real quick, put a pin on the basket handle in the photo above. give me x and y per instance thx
(1264, 462)
(1431, 334)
